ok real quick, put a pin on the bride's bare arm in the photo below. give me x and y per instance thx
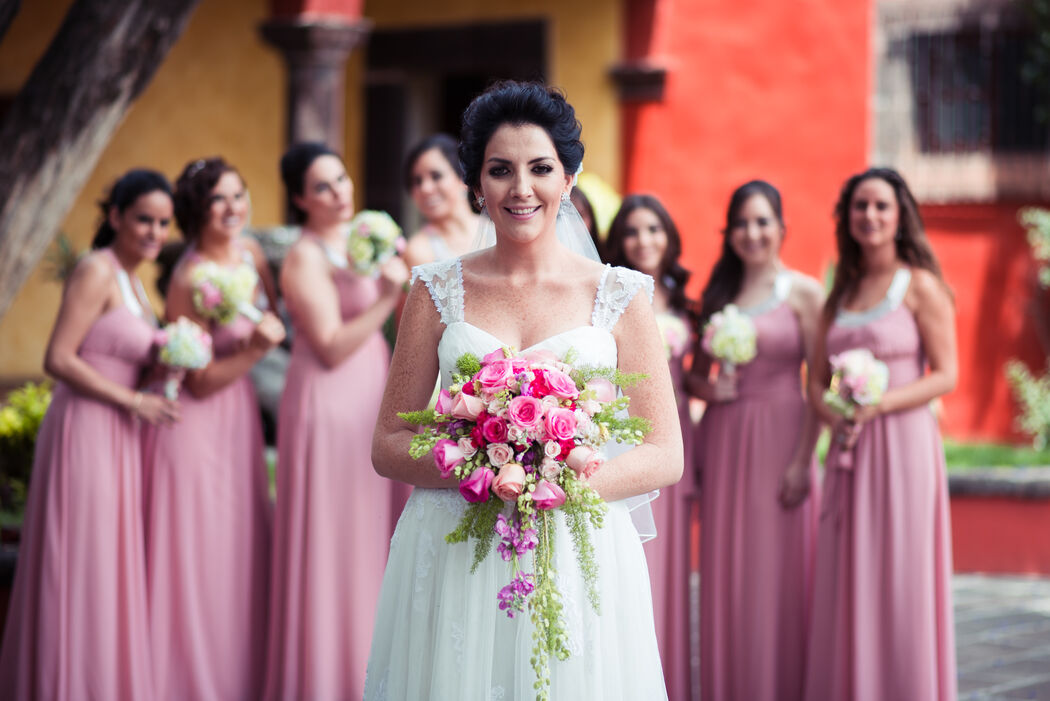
(413, 372)
(658, 461)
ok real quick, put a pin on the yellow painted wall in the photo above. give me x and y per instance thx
(220, 91)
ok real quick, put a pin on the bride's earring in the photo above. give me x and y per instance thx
(565, 197)
(481, 201)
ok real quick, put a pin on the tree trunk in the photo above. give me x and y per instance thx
(104, 55)
(8, 10)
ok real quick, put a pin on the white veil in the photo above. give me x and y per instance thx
(573, 234)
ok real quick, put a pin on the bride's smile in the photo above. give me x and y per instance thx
(522, 182)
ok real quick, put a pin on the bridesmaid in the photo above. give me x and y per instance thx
(754, 451)
(207, 504)
(434, 179)
(882, 622)
(643, 237)
(77, 625)
(332, 508)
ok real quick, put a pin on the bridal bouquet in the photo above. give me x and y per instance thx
(730, 336)
(221, 293)
(374, 239)
(521, 434)
(857, 379)
(674, 332)
(183, 346)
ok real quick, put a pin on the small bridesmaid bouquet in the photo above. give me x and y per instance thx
(730, 337)
(374, 239)
(183, 346)
(221, 293)
(674, 333)
(858, 379)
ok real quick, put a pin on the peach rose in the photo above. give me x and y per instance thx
(510, 482)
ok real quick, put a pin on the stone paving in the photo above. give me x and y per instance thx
(1002, 630)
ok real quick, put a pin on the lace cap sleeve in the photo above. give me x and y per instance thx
(616, 289)
(444, 281)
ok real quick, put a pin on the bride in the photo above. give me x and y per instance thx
(439, 633)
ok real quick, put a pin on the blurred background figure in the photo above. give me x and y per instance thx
(643, 237)
(583, 206)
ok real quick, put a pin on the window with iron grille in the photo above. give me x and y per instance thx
(968, 93)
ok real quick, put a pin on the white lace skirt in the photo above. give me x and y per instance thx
(439, 634)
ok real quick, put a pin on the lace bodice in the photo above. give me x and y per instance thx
(594, 344)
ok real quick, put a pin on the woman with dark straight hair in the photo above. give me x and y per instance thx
(754, 452)
(882, 619)
(77, 623)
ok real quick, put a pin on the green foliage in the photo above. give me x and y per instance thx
(1037, 223)
(478, 522)
(1033, 395)
(423, 417)
(468, 365)
(1036, 68)
(61, 258)
(20, 421)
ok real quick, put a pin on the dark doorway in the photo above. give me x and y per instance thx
(419, 81)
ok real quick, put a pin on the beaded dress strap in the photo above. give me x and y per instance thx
(894, 297)
(444, 281)
(781, 291)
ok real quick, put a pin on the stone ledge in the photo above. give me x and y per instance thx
(1016, 482)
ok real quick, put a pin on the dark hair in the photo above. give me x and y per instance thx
(671, 271)
(294, 164)
(193, 193)
(511, 102)
(583, 206)
(727, 274)
(912, 246)
(444, 144)
(124, 193)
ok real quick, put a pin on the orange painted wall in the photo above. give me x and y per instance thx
(989, 266)
(755, 89)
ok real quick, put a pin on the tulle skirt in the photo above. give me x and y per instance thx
(439, 633)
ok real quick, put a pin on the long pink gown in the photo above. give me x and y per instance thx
(208, 521)
(756, 555)
(77, 625)
(333, 510)
(882, 618)
(668, 554)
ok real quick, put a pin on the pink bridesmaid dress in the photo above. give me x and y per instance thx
(77, 625)
(334, 513)
(208, 521)
(756, 555)
(668, 554)
(882, 618)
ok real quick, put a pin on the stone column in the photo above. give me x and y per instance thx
(315, 52)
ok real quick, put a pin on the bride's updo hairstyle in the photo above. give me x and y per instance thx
(518, 104)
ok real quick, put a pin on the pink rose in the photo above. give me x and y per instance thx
(550, 468)
(210, 295)
(551, 449)
(540, 357)
(590, 406)
(447, 456)
(465, 406)
(475, 488)
(495, 376)
(444, 402)
(561, 385)
(584, 460)
(494, 357)
(560, 424)
(468, 446)
(499, 453)
(509, 482)
(604, 391)
(525, 412)
(494, 430)
(548, 495)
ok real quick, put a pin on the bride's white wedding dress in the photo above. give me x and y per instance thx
(439, 634)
